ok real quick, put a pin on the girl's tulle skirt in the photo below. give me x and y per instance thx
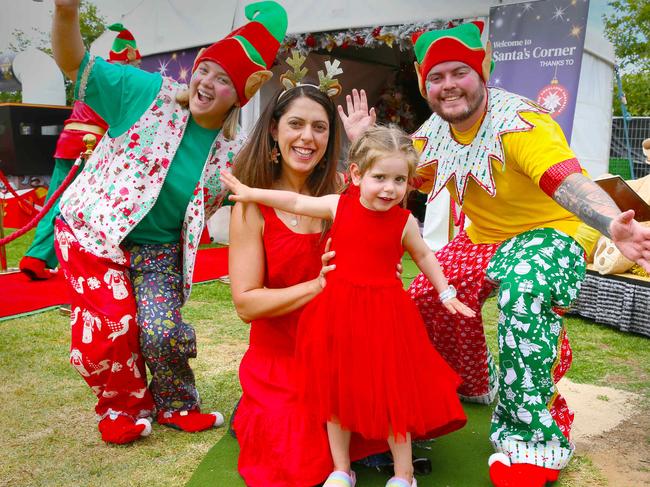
(366, 362)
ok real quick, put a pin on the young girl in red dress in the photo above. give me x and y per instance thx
(367, 365)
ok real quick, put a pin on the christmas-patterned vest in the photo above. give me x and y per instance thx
(442, 157)
(122, 179)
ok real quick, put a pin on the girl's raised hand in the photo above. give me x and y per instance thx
(359, 118)
(240, 192)
(454, 306)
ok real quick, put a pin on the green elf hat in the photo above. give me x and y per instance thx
(248, 52)
(124, 48)
(461, 43)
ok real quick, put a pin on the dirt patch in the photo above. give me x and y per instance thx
(613, 430)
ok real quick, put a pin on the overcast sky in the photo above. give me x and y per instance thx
(31, 15)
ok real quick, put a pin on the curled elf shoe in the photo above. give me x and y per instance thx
(339, 478)
(123, 429)
(190, 421)
(505, 474)
(400, 482)
(35, 269)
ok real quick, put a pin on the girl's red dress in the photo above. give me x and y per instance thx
(365, 357)
(282, 443)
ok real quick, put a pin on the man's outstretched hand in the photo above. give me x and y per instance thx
(631, 238)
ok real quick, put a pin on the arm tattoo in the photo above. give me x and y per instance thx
(585, 199)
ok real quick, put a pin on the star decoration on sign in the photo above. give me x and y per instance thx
(559, 13)
(576, 30)
(162, 67)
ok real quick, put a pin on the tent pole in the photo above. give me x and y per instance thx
(626, 115)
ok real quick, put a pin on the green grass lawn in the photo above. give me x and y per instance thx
(47, 419)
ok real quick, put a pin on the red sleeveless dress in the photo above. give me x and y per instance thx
(364, 354)
(282, 443)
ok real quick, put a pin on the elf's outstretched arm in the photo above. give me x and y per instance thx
(67, 44)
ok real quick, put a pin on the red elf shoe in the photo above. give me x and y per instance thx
(190, 421)
(35, 269)
(123, 429)
(505, 474)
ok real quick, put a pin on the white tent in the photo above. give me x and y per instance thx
(170, 25)
(592, 122)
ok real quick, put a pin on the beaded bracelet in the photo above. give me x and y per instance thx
(447, 294)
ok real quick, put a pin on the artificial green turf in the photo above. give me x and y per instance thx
(458, 459)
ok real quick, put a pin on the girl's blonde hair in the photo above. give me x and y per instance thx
(379, 142)
(230, 122)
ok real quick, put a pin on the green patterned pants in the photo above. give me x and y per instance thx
(539, 274)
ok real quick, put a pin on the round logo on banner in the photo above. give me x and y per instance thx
(554, 98)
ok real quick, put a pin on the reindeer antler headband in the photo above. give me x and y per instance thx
(326, 82)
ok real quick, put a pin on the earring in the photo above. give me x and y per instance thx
(275, 153)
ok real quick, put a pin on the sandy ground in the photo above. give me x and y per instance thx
(612, 430)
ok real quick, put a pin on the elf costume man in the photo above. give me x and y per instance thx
(131, 222)
(40, 260)
(508, 164)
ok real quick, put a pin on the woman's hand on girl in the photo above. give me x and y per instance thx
(240, 192)
(326, 266)
(454, 306)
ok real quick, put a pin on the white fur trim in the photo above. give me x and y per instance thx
(499, 457)
(218, 418)
(147, 426)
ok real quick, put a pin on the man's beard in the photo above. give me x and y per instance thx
(474, 102)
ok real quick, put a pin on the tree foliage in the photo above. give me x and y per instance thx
(91, 24)
(628, 28)
(10, 96)
(636, 87)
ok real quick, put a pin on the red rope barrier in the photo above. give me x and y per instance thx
(24, 204)
(55, 196)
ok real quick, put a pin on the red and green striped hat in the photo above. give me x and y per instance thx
(124, 48)
(461, 43)
(248, 52)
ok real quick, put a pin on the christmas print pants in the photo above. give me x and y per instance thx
(167, 341)
(104, 346)
(538, 273)
(144, 296)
